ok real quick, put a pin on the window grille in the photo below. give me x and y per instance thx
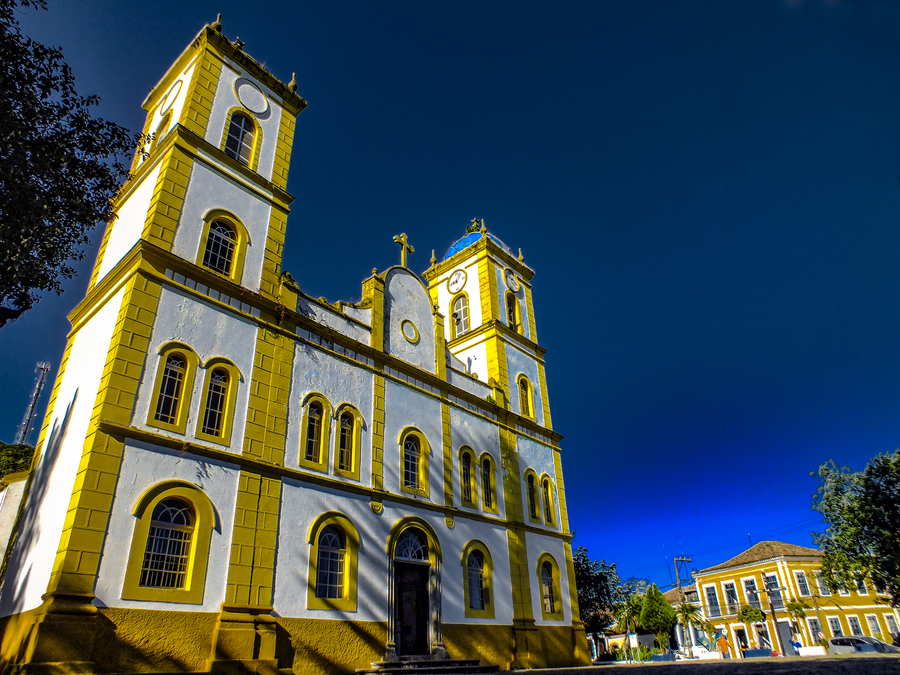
(313, 431)
(547, 588)
(411, 548)
(239, 143)
(460, 316)
(411, 463)
(486, 483)
(170, 389)
(330, 565)
(548, 505)
(215, 402)
(466, 478)
(475, 568)
(220, 245)
(168, 549)
(532, 507)
(345, 450)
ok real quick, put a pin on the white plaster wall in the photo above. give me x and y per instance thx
(539, 458)
(10, 501)
(453, 571)
(38, 540)
(408, 407)
(518, 362)
(482, 436)
(209, 189)
(146, 465)
(468, 383)
(472, 289)
(209, 331)
(475, 358)
(535, 545)
(405, 298)
(302, 504)
(334, 320)
(364, 315)
(172, 100)
(129, 225)
(339, 381)
(225, 99)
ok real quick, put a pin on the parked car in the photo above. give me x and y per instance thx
(851, 644)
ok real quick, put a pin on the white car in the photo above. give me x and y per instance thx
(851, 644)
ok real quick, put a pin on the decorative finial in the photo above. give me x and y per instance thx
(374, 271)
(483, 228)
(433, 258)
(217, 24)
(239, 43)
(404, 247)
(472, 226)
(521, 257)
(292, 85)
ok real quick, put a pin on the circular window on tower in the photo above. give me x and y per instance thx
(409, 330)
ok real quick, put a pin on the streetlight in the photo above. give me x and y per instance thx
(768, 592)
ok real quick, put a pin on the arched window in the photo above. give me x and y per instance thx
(216, 399)
(475, 573)
(220, 245)
(547, 592)
(330, 567)
(170, 389)
(460, 316)
(411, 455)
(167, 562)
(345, 443)
(466, 479)
(487, 484)
(239, 143)
(168, 545)
(525, 399)
(532, 498)
(314, 432)
(512, 312)
(334, 546)
(548, 502)
(411, 547)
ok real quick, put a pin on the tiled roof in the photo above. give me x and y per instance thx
(765, 550)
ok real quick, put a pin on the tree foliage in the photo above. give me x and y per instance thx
(750, 614)
(688, 613)
(631, 586)
(15, 458)
(628, 613)
(862, 514)
(658, 616)
(596, 583)
(59, 166)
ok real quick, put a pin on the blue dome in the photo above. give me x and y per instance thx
(470, 239)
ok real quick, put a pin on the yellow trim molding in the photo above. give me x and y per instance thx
(340, 522)
(487, 576)
(321, 462)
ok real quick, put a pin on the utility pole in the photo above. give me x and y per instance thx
(25, 428)
(683, 559)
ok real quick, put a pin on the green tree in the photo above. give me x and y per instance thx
(797, 611)
(631, 586)
(15, 458)
(750, 614)
(59, 166)
(688, 613)
(657, 616)
(862, 515)
(596, 583)
(629, 615)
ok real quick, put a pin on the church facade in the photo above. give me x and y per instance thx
(233, 476)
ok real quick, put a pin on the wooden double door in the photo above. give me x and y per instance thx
(412, 608)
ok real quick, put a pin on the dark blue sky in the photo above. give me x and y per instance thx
(708, 192)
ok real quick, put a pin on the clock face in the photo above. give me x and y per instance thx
(511, 281)
(457, 281)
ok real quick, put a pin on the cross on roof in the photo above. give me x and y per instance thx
(404, 247)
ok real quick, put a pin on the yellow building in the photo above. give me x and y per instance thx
(233, 476)
(752, 578)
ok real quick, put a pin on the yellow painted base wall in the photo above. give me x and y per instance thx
(153, 641)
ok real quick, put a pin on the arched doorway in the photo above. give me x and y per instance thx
(414, 589)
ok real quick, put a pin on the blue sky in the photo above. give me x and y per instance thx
(707, 191)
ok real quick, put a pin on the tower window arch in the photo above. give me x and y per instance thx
(488, 498)
(460, 316)
(468, 481)
(547, 496)
(531, 491)
(347, 441)
(526, 397)
(172, 388)
(167, 554)
(220, 393)
(220, 247)
(315, 432)
(414, 462)
(478, 581)
(512, 311)
(334, 548)
(548, 578)
(240, 137)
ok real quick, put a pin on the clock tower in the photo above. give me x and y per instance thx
(484, 290)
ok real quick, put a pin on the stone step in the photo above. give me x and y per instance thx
(411, 666)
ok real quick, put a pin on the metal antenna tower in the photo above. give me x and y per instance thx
(25, 428)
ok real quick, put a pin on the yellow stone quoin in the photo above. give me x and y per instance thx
(231, 472)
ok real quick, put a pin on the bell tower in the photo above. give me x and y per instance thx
(485, 293)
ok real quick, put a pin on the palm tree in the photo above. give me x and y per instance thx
(688, 613)
(797, 611)
(629, 615)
